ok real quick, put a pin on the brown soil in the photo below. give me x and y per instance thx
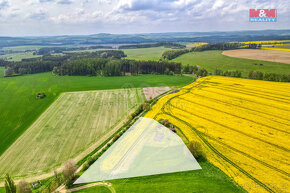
(267, 55)
(152, 92)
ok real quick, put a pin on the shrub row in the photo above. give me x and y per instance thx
(257, 75)
(231, 73)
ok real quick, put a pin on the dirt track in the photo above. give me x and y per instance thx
(255, 54)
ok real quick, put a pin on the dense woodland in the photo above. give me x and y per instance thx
(46, 63)
(109, 67)
(99, 63)
(3, 62)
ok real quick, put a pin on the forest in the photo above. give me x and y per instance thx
(99, 63)
(115, 67)
(46, 63)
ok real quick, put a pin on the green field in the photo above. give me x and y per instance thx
(211, 60)
(19, 56)
(98, 189)
(1, 72)
(209, 179)
(72, 124)
(145, 53)
(20, 108)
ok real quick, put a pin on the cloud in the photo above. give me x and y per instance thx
(64, 2)
(3, 4)
(138, 15)
(45, 1)
(38, 16)
(137, 5)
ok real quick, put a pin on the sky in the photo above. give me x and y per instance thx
(82, 17)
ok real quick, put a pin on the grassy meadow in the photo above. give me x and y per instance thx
(210, 60)
(19, 56)
(72, 124)
(1, 72)
(98, 189)
(20, 108)
(209, 179)
(153, 53)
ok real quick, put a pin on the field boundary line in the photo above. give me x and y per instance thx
(232, 115)
(252, 93)
(106, 184)
(227, 103)
(264, 104)
(241, 132)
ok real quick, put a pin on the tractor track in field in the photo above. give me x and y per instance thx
(232, 115)
(248, 109)
(238, 131)
(222, 156)
(252, 101)
(207, 143)
(258, 88)
(245, 154)
(251, 93)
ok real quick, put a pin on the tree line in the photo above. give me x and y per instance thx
(165, 44)
(115, 67)
(53, 50)
(257, 75)
(46, 63)
(171, 54)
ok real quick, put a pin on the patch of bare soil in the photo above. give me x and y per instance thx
(152, 92)
(256, 54)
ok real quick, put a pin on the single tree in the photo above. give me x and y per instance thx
(23, 187)
(9, 184)
(196, 149)
(69, 170)
(8, 71)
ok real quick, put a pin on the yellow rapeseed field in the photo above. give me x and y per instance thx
(270, 44)
(242, 124)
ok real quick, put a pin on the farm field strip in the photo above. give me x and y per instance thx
(252, 100)
(244, 145)
(222, 123)
(222, 100)
(256, 94)
(70, 125)
(153, 53)
(19, 114)
(265, 54)
(212, 60)
(235, 113)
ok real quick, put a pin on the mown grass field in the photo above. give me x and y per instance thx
(1, 72)
(154, 53)
(99, 189)
(20, 108)
(73, 123)
(19, 56)
(212, 60)
(209, 179)
(242, 124)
